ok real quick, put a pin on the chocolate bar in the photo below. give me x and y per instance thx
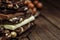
(17, 16)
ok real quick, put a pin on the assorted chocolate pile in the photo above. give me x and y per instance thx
(16, 16)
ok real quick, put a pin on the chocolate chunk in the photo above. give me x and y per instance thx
(8, 16)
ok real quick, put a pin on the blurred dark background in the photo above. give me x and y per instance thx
(53, 3)
(51, 7)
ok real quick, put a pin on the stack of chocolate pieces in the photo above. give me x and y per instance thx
(16, 16)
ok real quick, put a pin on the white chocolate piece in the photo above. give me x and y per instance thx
(26, 21)
(13, 27)
(10, 27)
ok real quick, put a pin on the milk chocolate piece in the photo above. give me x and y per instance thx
(8, 16)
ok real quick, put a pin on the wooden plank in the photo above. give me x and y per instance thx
(53, 19)
(51, 28)
(34, 36)
(43, 30)
(24, 39)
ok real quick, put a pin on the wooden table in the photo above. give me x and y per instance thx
(47, 26)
